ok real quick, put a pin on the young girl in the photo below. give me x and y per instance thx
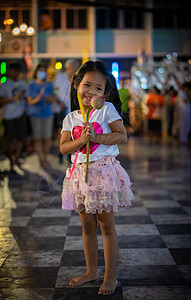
(108, 184)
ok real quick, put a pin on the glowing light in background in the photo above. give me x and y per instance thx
(23, 27)
(168, 56)
(30, 30)
(3, 69)
(58, 65)
(138, 73)
(143, 80)
(144, 86)
(115, 71)
(3, 79)
(8, 22)
(16, 31)
(160, 70)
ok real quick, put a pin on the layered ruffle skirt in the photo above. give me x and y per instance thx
(107, 189)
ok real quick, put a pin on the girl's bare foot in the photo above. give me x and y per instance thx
(83, 279)
(108, 287)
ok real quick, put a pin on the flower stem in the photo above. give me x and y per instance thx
(88, 147)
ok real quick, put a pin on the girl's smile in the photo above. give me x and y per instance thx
(92, 84)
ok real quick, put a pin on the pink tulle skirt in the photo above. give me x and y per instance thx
(108, 186)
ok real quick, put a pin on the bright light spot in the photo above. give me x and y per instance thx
(143, 80)
(138, 73)
(10, 21)
(189, 61)
(160, 70)
(23, 27)
(144, 86)
(175, 54)
(168, 56)
(3, 79)
(115, 74)
(115, 71)
(16, 31)
(30, 30)
(58, 65)
(3, 67)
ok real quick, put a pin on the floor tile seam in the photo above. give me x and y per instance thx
(160, 286)
(9, 254)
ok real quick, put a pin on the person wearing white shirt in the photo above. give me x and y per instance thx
(62, 107)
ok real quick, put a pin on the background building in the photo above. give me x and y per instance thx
(109, 30)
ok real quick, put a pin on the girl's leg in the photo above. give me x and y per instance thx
(107, 226)
(89, 233)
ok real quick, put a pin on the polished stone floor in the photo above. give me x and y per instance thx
(41, 245)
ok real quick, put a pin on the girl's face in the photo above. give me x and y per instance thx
(92, 84)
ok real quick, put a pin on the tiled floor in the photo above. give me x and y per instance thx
(41, 245)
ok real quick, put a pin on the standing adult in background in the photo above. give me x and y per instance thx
(40, 97)
(183, 112)
(62, 84)
(155, 102)
(170, 97)
(124, 95)
(13, 103)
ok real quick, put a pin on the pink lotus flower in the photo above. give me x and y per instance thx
(97, 102)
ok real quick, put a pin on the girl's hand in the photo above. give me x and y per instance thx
(91, 132)
(85, 133)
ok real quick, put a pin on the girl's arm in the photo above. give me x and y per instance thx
(117, 136)
(67, 145)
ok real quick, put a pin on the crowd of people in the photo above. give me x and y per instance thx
(158, 112)
(33, 112)
(168, 112)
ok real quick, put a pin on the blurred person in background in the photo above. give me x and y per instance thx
(40, 96)
(170, 97)
(13, 104)
(155, 102)
(62, 107)
(183, 113)
(125, 97)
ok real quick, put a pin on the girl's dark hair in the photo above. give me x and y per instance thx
(111, 92)
(41, 65)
